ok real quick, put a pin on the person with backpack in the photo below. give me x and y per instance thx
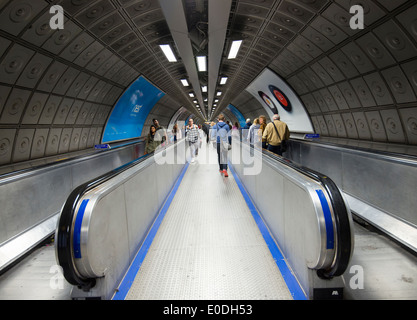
(221, 132)
(192, 135)
(276, 134)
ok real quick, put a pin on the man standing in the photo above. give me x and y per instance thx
(275, 134)
(192, 135)
(247, 125)
(221, 132)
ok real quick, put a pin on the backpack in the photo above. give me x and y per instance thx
(224, 143)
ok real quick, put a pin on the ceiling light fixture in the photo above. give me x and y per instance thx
(191, 95)
(204, 88)
(223, 80)
(219, 93)
(234, 50)
(185, 82)
(167, 50)
(202, 63)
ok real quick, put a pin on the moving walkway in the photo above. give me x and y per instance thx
(160, 228)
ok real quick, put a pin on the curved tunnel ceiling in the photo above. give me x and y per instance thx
(58, 87)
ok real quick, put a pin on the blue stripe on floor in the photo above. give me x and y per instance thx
(130, 276)
(292, 283)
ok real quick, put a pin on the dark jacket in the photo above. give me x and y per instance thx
(247, 125)
(151, 144)
(206, 128)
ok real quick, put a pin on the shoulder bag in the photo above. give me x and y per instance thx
(283, 142)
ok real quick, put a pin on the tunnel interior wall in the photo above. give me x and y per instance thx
(58, 87)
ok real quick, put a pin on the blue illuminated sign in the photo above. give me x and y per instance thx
(102, 146)
(237, 114)
(132, 109)
(312, 136)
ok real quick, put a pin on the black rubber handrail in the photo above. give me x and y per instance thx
(65, 225)
(341, 215)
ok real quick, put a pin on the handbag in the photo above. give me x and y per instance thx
(226, 145)
(283, 142)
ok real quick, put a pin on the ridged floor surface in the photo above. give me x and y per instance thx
(208, 245)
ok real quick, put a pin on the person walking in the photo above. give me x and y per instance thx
(236, 131)
(276, 134)
(206, 130)
(161, 133)
(176, 132)
(192, 135)
(221, 132)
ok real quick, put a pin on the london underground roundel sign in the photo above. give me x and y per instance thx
(281, 97)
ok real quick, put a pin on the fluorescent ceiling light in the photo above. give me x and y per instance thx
(219, 93)
(166, 48)
(185, 82)
(217, 100)
(195, 101)
(234, 50)
(223, 80)
(191, 95)
(204, 88)
(202, 63)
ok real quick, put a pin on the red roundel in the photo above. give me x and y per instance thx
(281, 98)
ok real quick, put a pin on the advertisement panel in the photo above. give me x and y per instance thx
(277, 97)
(239, 116)
(129, 115)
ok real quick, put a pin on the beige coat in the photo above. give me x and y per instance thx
(270, 134)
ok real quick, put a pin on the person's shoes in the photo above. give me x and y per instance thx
(225, 173)
(192, 160)
(221, 171)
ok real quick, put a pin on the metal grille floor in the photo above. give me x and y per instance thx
(208, 246)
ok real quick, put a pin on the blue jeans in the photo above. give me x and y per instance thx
(222, 157)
